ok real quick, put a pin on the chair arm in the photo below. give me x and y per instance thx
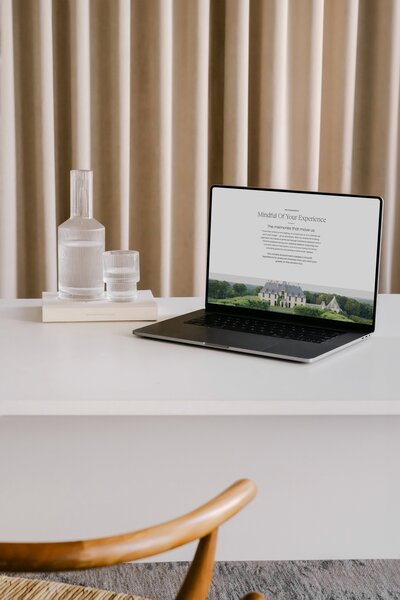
(254, 596)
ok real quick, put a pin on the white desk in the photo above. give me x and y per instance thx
(102, 369)
(322, 440)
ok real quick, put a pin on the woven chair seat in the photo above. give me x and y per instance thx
(17, 588)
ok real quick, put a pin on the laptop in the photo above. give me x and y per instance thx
(290, 274)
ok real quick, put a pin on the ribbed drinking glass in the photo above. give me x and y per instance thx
(121, 274)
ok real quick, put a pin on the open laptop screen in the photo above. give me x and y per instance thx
(295, 253)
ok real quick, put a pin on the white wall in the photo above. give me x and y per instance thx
(328, 486)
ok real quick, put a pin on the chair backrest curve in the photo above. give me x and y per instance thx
(129, 546)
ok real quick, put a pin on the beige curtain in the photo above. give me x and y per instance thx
(164, 97)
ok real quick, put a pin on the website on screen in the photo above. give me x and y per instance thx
(310, 255)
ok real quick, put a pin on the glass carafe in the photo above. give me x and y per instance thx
(81, 243)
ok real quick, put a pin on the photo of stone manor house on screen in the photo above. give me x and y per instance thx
(285, 297)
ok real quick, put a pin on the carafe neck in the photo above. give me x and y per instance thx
(81, 194)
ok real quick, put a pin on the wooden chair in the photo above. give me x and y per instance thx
(201, 524)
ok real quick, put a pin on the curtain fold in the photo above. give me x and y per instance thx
(189, 144)
(166, 87)
(34, 233)
(8, 166)
(305, 59)
(47, 161)
(338, 94)
(124, 48)
(390, 271)
(236, 86)
(162, 98)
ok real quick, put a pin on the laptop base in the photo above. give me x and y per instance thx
(179, 331)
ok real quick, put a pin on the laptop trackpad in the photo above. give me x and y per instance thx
(270, 346)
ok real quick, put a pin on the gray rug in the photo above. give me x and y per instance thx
(282, 580)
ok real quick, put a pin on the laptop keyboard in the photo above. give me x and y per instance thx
(261, 327)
